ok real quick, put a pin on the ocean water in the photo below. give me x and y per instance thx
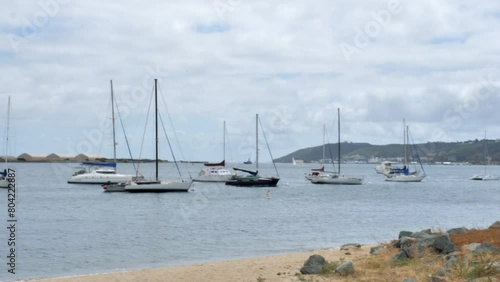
(67, 229)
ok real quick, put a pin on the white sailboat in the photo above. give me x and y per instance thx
(216, 172)
(105, 172)
(4, 181)
(404, 174)
(320, 172)
(485, 176)
(157, 185)
(338, 178)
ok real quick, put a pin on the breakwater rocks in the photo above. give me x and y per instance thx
(458, 248)
(459, 254)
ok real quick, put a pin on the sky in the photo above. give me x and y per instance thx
(433, 63)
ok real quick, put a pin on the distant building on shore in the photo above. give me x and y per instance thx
(54, 157)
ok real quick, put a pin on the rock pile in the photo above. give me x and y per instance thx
(414, 245)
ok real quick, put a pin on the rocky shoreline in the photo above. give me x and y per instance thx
(456, 249)
(459, 254)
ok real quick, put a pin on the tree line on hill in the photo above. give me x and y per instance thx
(474, 152)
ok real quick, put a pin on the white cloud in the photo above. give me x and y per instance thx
(429, 62)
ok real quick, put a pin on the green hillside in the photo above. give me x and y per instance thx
(468, 151)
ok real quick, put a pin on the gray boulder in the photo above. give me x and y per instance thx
(482, 248)
(457, 230)
(495, 225)
(409, 280)
(407, 241)
(414, 251)
(427, 240)
(450, 248)
(444, 245)
(399, 257)
(345, 269)
(404, 234)
(313, 265)
(441, 242)
(421, 233)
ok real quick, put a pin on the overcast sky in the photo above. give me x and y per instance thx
(434, 63)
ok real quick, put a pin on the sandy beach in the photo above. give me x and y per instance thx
(271, 268)
(287, 267)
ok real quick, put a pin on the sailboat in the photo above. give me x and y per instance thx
(404, 174)
(253, 179)
(105, 173)
(320, 172)
(157, 185)
(4, 181)
(485, 176)
(384, 167)
(216, 172)
(338, 178)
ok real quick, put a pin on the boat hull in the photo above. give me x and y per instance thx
(315, 174)
(214, 175)
(158, 186)
(485, 177)
(208, 178)
(120, 187)
(254, 181)
(342, 180)
(405, 178)
(100, 178)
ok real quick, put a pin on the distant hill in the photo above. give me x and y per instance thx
(467, 151)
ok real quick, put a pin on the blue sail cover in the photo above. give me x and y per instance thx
(111, 164)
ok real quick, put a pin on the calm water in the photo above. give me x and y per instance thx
(67, 229)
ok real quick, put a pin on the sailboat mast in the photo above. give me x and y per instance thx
(405, 142)
(338, 133)
(224, 142)
(156, 125)
(7, 133)
(113, 120)
(324, 137)
(485, 153)
(256, 141)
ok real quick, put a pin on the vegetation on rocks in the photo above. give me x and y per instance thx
(456, 255)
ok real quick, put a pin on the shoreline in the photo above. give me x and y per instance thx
(399, 258)
(282, 267)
